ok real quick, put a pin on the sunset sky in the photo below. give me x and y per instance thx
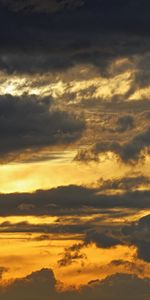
(75, 150)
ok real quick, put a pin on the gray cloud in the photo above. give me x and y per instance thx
(23, 227)
(28, 123)
(102, 240)
(49, 52)
(126, 183)
(138, 235)
(74, 202)
(128, 152)
(77, 32)
(71, 200)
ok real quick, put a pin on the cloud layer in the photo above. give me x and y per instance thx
(41, 284)
(28, 123)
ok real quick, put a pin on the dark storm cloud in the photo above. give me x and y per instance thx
(126, 183)
(128, 152)
(106, 236)
(112, 12)
(94, 33)
(28, 123)
(23, 227)
(101, 240)
(73, 200)
(42, 285)
(138, 235)
(61, 201)
(134, 234)
(61, 50)
(58, 51)
(79, 201)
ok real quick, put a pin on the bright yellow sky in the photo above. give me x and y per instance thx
(44, 175)
(16, 252)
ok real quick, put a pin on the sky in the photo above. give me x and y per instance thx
(74, 149)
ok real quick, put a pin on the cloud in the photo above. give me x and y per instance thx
(102, 240)
(111, 216)
(128, 152)
(121, 286)
(85, 34)
(72, 201)
(138, 235)
(51, 37)
(42, 237)
(42, 285)
(133, 234)
(44, 229)
(28, 123)
(125, 123)
(36, 6)
(63, 49)
(71, 255)
(36, 286)
(126, 183)
(129, 266)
